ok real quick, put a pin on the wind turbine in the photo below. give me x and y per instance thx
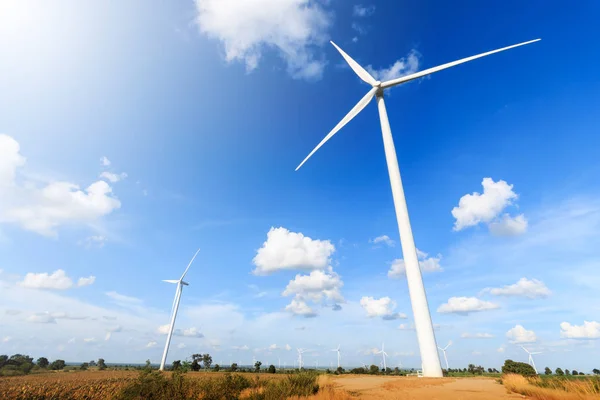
(338, 355)
(422, 317)
(531, 353)
(383, 354)
(444, 351)
(180, 284)
(300, 352)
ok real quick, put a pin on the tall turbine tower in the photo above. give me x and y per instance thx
(383, 354)
(300, 352)
(444, 351)
(180, 284)
(423, 325)
(530, 361)
(338, 355)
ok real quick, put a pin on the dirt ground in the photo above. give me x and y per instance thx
(409, 388)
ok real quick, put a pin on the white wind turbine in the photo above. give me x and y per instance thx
(180, 284)
(422, 317)
(300, 352)
(383, 354)
(444, 351)
(531, 353)
(338, 355)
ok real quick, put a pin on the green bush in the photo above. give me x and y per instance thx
(515, 367)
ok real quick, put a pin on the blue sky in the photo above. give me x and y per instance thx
(204, 109)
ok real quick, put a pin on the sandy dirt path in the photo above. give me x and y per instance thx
(409, 388)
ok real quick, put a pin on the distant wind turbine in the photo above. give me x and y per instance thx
(531, 353)
(338, 355)
(300, 352)
(383, 354)
(444, 351)
(180, 284)
(418, 297)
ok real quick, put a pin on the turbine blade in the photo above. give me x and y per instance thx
(428, 71)
(170, 281)
(360, 71)
(357, 108)
(177, 292)
(189, 265)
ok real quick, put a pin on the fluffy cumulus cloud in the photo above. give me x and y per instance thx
(466, 305)
(43, 208)
(383, 239)
(299, 307)
(41, 318)
(530, 288)
(316, 287)
(427, 264)
(363, 11)
(383, 307)
(294, 29)
(189, 332)
(467, 335)
(113, 177)
(404, 66)
(589, 330)
(104, 161)
(519, 334)
(285, 250)
(58, 280)
(486, 207)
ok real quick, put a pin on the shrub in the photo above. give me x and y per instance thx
(520, 368)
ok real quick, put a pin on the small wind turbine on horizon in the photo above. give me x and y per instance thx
(338, 355)
(444, 351)
(180, 284)
(300, 352)
(383, 354)
(531, 353)
(422, 317)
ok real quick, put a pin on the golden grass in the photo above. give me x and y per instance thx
(554, 388)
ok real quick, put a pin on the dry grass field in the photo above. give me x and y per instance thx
(92, 385)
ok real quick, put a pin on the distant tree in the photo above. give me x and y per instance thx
(148, 365)
(514, 367)
(396, 370)
(101, 364)
(84, 366)
(490, 370)
(206, 360)
(217, 367)
(596, 371)
(234, 367)
(57, 365)
(42, 362)
(567, 372)
(575, 372)
(340, 370)
(186, 366)
(559, 372)
(547, 371)
(374, 369)
(176, 365)
(196, 359)
(272, 369)
(92, 363)
(581, 373)
(3, 360)
(257, 366)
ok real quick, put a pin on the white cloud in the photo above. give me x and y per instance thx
(58, 280)
(43, 209)
(465, 305)
(121, 298)
(181, 346)
(189, 332)
(243, 348)
(476, 208)
(427, 264)
(363, 11)
(476, 353)
(518, 334)
(97, 241)
(105, 162)
(406, 327)
(89, 340)
(293, 28)
(524, 288)
(6, 339)
(509, 226)
(404, 66)
(288, 347)
(299, 307)
(589, 330)
(316, 286)
(273, 347)
(385, 239)
(112, 177)
(501, 349)
(151, 344)
(467, 335)
(41, 318)
(285, 250)
(383, 307)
